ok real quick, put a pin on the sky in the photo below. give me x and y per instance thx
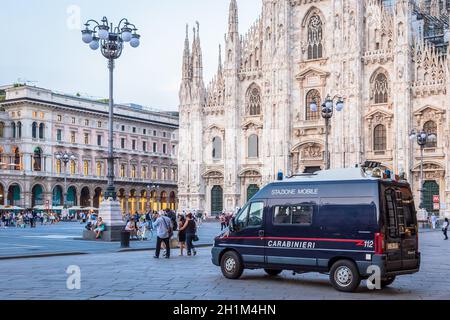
(42, 45)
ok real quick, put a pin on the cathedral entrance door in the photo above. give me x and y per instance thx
(430, 190)
(216, 200)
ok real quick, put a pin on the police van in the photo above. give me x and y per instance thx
(339, 222)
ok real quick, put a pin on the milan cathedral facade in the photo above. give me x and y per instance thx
(387, 59)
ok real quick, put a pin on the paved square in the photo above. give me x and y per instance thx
(65, 238)
(137, 275)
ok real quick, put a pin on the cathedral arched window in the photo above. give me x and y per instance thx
(312, 96)
(431, 128)
(380, 138)
(381, 89)
(217, 148)
(315, 38)
(253, 146)
(254, 101)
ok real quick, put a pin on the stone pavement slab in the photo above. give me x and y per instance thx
(136, 275)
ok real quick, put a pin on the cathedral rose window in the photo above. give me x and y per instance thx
(381, 89)
(254, 101)
(315, 38)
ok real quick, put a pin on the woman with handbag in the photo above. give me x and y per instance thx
(445, 228)
(190, 228)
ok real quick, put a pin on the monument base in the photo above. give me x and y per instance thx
(111, 214)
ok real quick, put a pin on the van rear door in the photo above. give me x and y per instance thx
(400, 229)
(392, 231)
(408, 228)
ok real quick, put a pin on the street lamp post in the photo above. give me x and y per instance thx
(327, 112)
(423, 138)
(65, 158)
(111, 40)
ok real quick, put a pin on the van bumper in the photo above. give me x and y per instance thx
(215, 253)
(380, 262)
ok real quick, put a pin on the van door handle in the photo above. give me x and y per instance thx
(261, 233)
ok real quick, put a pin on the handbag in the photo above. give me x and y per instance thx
(196, 238)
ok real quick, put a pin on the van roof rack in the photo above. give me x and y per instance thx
(371, 165)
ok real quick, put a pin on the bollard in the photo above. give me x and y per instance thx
(125, 239)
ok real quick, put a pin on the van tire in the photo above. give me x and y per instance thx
(231, 265)
(272, 272)
(344, 276)
(387, 282)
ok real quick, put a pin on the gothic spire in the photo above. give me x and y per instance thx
(233, 21)
(435, 10)
(186, 57)
(220, 60)
(421, 5)
(197, 57)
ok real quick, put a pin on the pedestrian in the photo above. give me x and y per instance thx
(434, 221)
(181, 234)
(131, 228)
(445, 228)
(4, 221)
(99, 228)
(164, 231)
(223, 222)
(190, 228)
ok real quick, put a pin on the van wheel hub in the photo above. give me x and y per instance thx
(343, 276)
(230, 265)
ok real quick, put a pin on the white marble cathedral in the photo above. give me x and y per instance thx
(387, 59)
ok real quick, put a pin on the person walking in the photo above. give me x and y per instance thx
(181, 234)
(223, 222)
(190, 227)
(164, 231)
(3, 220)
(433, 221)
(445, 228)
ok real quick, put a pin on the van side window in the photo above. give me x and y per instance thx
(391, 214)
(293, 215)
(256, 214)
(251, 216)
(407, 202)
(242, 218)
(282, 215)
(302, 214)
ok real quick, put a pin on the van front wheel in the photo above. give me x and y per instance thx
(344, 276)
(231, 265)
(273, 273)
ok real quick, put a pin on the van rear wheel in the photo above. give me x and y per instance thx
(272, 272)
(231, 265)
(344, 276)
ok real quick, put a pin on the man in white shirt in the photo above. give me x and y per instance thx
(164, 231)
